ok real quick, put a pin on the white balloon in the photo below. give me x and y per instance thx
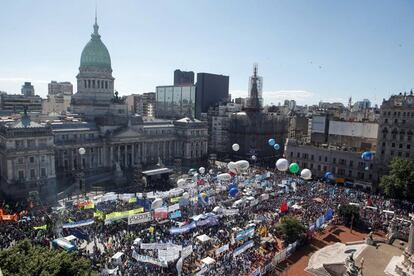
(306, 174)
(211, 171)
(232, 166)
(186, 195)
(235, 147)
(282, 164)
(180, 182)
(242, 164)
(202, 170)
(82, 151)
(224, 177)
(157, 203)
(217, 209)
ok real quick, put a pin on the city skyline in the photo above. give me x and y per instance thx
(305, 52)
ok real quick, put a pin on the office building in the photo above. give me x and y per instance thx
(211, 90)
(12, 104)
(55, 88)
(28, 89)
(173, 102)
(183, 77)
(142, 104)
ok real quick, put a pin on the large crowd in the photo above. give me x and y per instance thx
(214, 214)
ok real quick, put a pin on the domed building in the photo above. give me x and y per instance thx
(95, 83)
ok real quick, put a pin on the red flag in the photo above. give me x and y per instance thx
(284, 207)
(232, 173)
(369, 202)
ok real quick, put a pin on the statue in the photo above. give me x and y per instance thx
(370, 240)
(392, 231)
(351, 268)
(160, 164)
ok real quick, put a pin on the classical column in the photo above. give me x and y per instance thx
(133, 154)
(126, 155)
(119, 153)
(410, 246)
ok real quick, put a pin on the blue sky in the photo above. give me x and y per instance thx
(306, 50)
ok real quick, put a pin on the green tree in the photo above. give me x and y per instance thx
(291, 229)
(346, 212)
(26, 259)
(399, 183)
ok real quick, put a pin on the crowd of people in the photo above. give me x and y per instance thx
(267, 191)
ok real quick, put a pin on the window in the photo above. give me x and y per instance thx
(106, 84)
(351, 163)
(31, 143)
(312, 157)
(298, 155)
(43, 172)
(334, 160)
(31, 159)
(400, 146)
(326, 158)
(89, 83)
(408, 146)
(42, 158)
(399, 153)
(20, 160)
(320, 158)
(393, 145)
(311, 166)
(392, 153)
(291, 154)
(32, 174)
(349, 173)
(386, 121)
(403, 121)
(407, 154)
(19, 144)
(319, 167)
(21, 175)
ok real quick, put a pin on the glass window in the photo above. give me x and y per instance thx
(20, 160)
(43, 172)
(31, 159)
(21, 175)
(32, 173)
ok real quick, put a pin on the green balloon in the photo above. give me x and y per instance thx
(294, 168)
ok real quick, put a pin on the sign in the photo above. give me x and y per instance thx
(175, 199)
(161, 213)
(230, 212)
(174, 207)
(121, 215)
(242, 248)
(222, 249)
(183, 229)
(139, 218)
(176, 214)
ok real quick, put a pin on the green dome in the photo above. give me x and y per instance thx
(95, 52)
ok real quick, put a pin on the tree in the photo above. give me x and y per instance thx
(27, 259)
(291, 229)
(399, 183)
(349, 214)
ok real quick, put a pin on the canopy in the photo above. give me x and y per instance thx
(203, 238)
(208, 260)
(70, 238)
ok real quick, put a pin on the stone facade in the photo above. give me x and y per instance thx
(346, 165)
(396, 130)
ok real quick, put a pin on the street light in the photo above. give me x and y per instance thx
(82, 152)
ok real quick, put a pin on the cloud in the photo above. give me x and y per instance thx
(300, 96)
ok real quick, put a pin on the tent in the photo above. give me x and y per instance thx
(70, 238)
(117, 258)
(208, 261)
(203, 238)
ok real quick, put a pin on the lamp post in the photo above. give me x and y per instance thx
(80, 173)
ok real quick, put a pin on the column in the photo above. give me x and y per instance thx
(133, 154)
(410, 245)
(119, 153)
(126, 155)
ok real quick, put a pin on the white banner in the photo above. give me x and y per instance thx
(161, 246)
(139, 218)
(168, 255)
(148, 259)
(186, 251)
(222, 249)
(174, 207)
(230, 212)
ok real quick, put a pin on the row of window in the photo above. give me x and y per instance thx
(20, 160)
(396, 121)
(97, 83)
(398, 114)
(337, 171)
(339, 161)
(393, 145)
(82, 136)
(398, 153)
(30, 143)
(32, 175)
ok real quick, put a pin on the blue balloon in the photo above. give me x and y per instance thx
(232, 185)
(271, 142)
(276, 147)
(233, 192)
(367, 156)
(329, 175)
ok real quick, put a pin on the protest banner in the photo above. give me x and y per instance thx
(139, 218)
(222, 249)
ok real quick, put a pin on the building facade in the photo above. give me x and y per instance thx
(28, 89)
(396, 130)
(65, 88)
(347, 166)
(183, 77)
(12, 104)
(102, 144)
(174, 102)
(211, 90)
(142, 104)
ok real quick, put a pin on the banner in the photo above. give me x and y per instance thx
(161, 246)
(242, 248)
(139, 218)
(230, 212)
(179, 266)
(182, 229)
(148, 259)
(121, 215)
(99, 215)
(132, 200)
(78, 223)
(174, 207)
(186, 251)
(245, 234)
(43, 227)
(161, 213)
(209, 221)
(222, 249)
(88, 204)
(329, 214)
(168, 255)
(176, 214)
(175, 199)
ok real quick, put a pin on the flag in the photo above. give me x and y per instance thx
(99, 215)
(43, 227)
(132, 200)
(89, 205)
(284, 207)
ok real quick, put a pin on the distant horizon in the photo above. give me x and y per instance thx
(307, 52)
